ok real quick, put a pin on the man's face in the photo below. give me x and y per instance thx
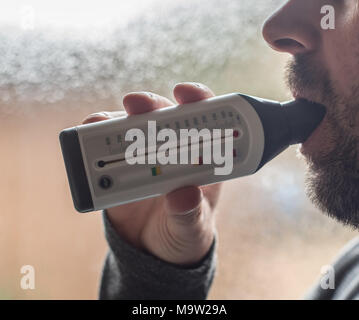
(325, 68)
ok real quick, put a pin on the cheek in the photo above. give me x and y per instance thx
(340, 50)
(341, 63)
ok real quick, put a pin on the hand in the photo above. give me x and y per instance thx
(178, 227)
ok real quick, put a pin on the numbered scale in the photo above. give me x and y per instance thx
(101, 177)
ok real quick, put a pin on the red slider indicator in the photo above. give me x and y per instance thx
(235, 133)
(199, 161)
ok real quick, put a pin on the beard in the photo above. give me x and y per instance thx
(332, 178)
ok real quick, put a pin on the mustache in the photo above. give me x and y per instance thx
(304, 75)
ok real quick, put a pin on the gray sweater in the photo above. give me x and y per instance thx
(129, 274)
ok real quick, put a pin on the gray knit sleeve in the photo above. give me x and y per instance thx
(345, 279)
(130, 273)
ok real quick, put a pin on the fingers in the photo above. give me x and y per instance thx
(140, 102)
(104, 115)
(188, 92)
(134, 103)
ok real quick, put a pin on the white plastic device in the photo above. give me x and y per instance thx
(100, 177)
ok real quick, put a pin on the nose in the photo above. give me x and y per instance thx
(292, 28)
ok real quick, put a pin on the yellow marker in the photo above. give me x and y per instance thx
(156, 171)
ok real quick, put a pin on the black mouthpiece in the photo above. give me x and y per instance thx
(285, 124)
(303, 117)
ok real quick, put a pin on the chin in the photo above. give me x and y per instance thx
(309, 147)
(318, 143)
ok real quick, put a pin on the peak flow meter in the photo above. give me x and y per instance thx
(100, 176)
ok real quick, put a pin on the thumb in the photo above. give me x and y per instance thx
(189, 226)
(183, 206)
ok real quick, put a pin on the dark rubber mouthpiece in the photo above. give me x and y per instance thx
(285, 124)
(303, 117)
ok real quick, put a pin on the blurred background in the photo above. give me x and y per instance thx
(61, 60)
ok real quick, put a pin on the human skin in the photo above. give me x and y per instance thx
(180, 226)
(323, 68)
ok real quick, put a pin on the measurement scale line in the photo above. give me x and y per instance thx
(104, 163)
